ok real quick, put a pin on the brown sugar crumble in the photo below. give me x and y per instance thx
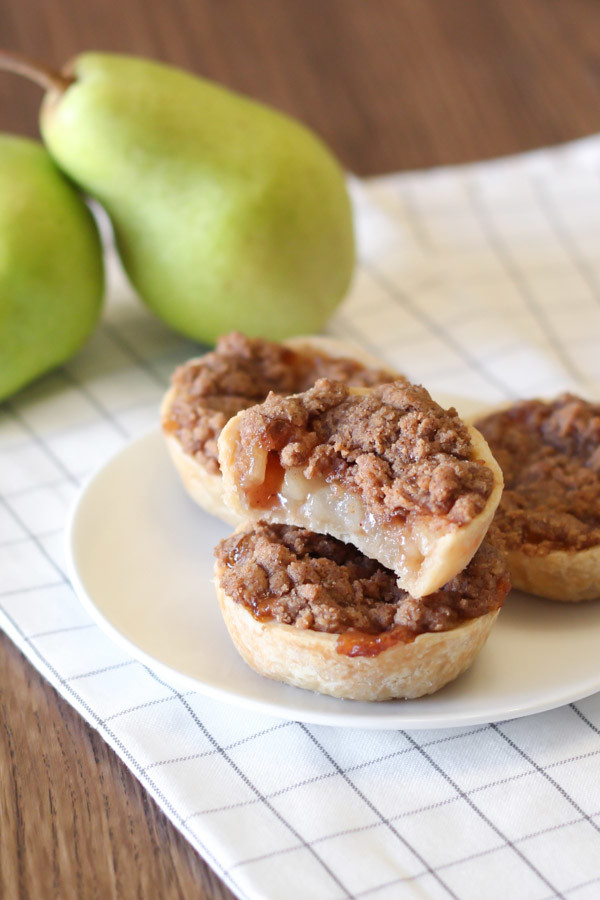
(296, 577)
(549, 453)
(395, 446)
(239, 373)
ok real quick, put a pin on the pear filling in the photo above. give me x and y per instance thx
(272, 492)
(385, 469)
(310, 581)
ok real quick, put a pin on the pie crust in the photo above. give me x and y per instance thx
(206, 487)
(567, 575)
(310, 659)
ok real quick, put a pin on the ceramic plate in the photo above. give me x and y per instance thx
(140, 555)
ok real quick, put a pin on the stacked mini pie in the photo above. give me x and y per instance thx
(361, 566)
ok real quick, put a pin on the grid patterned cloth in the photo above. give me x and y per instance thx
(482, 281)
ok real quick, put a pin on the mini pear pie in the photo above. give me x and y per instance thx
(549, 515)
(308, 610)
(240, 372)
(384, 468)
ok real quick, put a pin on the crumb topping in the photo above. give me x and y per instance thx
(296, 577)
(398, 448)
(240, 372)
(549, 453)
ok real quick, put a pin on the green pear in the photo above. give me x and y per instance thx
(51, 274)
(227, 214)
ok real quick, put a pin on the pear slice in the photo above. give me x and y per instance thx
(425, 548)
(205, 485)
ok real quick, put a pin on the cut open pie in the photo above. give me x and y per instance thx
(207, 391)
(384, 468)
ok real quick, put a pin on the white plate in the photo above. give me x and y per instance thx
(140, 556)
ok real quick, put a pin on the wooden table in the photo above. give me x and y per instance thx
(390, 84)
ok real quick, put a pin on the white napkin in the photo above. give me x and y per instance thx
(482, 281)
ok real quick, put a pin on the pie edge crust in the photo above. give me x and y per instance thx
(567, 576)
(309, 659)
(206, 488)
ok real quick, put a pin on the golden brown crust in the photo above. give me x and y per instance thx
(203, 486)
(310, 660)
(568, 576)
(206, 487)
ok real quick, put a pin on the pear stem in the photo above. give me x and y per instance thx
(46, 77)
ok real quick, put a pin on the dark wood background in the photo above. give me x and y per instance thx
(389, 84)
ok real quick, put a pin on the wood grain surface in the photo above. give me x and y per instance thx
(389, 84)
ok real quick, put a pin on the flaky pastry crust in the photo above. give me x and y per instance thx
(204, 487)
(309, 659)
(565, 575)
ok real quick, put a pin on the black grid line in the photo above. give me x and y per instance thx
(582, 884)
(544, 773)
(245, 740)
(14, 542)
(505, 257)
(33, 488)
(16, 592)
(125, 754)
(133, 355)
(395, 755)
(26, 539)
(101, 671)
(441, 868)
(109, 418)
(16, 445)
(374, 809)
(145, 705)
(53, 457)
(584, 718)
(64, 431)
(438, 331)
(33, 538)
(250, 784)
(565, 238)
(53, 631)
(416, 220)
(484, 818)
(469, 316)
(411, 812)
(480, 854)
(324, 776)
(94, 402)
(241, 804)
